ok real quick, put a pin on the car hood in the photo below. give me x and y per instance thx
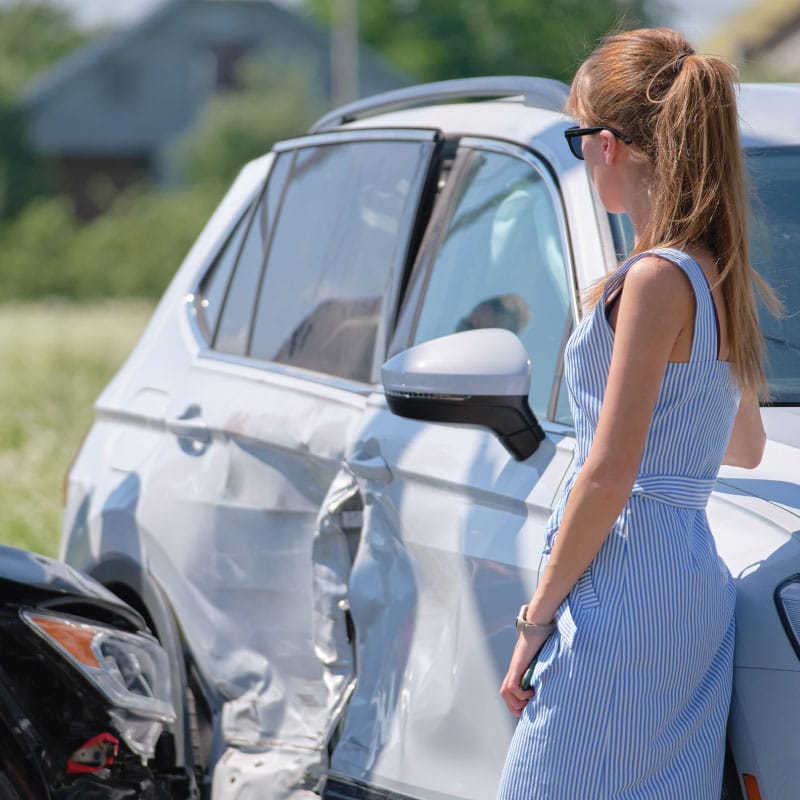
(775, 479)
(27, 577)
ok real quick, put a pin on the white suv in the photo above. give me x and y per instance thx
(332, 553)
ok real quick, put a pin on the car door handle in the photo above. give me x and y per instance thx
(371, 467)
(190, 425)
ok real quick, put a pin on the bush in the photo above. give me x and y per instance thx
(131, 251)
(134, 248)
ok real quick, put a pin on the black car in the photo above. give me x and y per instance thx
(85, 702)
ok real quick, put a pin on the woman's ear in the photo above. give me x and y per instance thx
(609, 147)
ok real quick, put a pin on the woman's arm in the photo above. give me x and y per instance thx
(746, 445)
(654, 310)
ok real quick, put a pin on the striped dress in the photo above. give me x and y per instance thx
(632, 690)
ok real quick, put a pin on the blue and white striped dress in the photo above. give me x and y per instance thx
(632, 690)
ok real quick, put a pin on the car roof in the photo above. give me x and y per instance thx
(517, 109)
(521, 109)
(543, 93)
(504, 119)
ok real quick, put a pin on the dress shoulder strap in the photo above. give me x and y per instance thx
(705, 339)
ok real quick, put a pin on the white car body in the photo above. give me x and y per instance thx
(344, 580)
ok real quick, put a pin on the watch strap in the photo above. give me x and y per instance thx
(531, 628)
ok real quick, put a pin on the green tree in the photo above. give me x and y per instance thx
(439, 39)
(22, 174)
(274, 102)
(33, 36)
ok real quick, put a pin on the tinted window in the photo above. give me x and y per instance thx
(501, 264)
(212, 288)
(344, 225)
(775, 243)
(237, 311)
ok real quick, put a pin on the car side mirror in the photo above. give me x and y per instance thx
(479, 377)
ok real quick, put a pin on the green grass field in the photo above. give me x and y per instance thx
(55, 358)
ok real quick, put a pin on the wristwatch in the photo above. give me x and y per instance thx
(530, 628)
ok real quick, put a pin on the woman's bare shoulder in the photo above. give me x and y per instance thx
(657, 282)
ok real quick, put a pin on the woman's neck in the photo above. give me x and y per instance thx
(638, 202)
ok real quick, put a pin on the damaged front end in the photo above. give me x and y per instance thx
(85, 708)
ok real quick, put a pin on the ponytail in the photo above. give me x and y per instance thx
(680, 110)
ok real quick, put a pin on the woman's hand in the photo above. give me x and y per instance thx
(746, 445)
(516, 698)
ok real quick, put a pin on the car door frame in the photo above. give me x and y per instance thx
(391, 628)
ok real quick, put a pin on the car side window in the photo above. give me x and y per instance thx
(501, 264)
(211, 292)
(343, 228)
(237, 309)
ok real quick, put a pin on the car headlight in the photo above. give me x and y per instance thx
(787, 598)
(130, 669)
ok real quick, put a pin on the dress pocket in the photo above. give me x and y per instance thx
(583, 594)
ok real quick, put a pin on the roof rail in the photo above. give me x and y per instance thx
(539, 92)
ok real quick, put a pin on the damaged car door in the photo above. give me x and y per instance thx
(453, 523)
(299, 338)
(292, 317)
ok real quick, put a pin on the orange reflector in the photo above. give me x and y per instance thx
(751, 787)
(75, 639)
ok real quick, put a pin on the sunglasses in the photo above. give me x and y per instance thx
(573, 135)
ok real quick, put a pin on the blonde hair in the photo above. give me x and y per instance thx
(680, 110)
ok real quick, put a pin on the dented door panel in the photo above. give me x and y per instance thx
(240, 509)
(450, 549)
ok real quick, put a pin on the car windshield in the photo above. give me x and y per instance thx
(775, 244)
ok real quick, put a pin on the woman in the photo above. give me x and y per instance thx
(632, 622)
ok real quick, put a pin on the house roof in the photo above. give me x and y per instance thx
(760, 25)
(90, 56)
(133, 90)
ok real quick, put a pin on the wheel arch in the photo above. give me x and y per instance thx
(133, 584)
